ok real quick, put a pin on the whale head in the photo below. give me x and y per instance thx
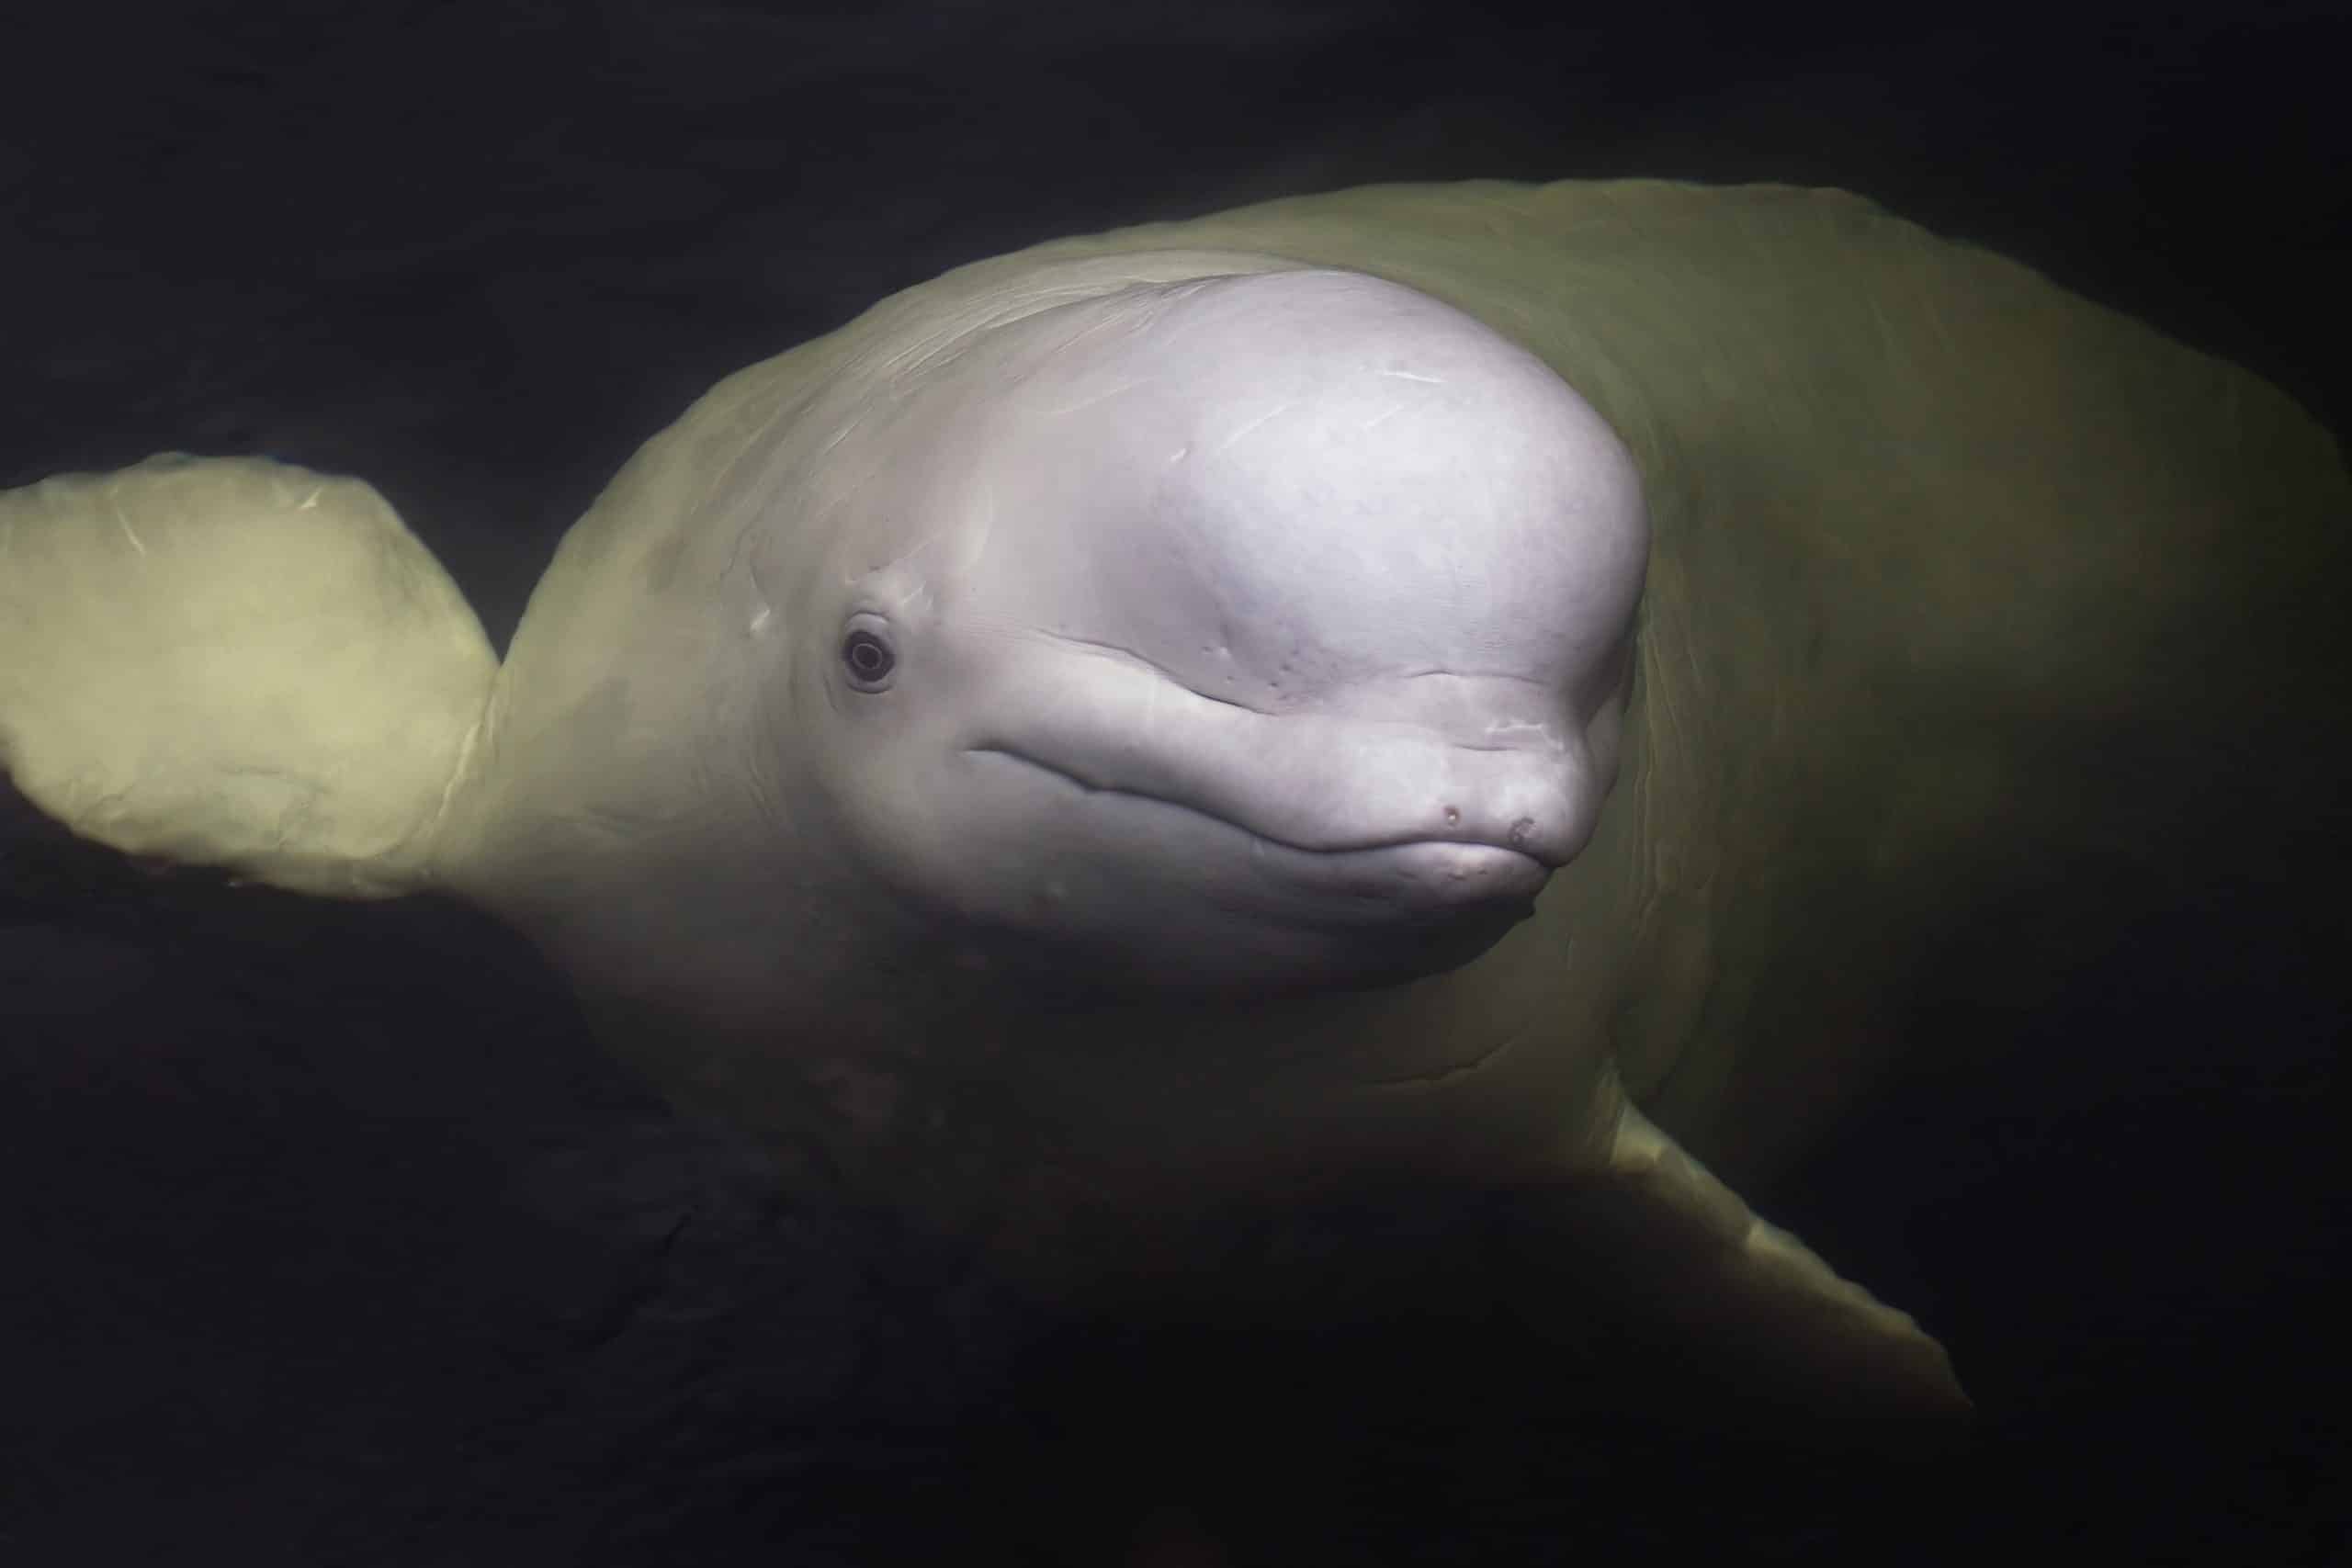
(1242, 636)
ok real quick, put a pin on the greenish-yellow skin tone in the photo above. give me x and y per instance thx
(1922, 523)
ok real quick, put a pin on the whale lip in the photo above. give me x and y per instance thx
(1373, 883)
(1435, 877)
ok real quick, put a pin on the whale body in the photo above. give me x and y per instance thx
(1425, 685)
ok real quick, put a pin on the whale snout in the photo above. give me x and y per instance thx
(1402, 802)
(1357, 827)
(1531, 806)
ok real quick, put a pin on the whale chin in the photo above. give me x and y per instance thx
(1258, 956)
(1404, 958)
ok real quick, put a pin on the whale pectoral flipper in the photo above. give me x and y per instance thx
(235, 662)
(1753, 1303)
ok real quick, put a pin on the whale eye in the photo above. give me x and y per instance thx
(867, 658)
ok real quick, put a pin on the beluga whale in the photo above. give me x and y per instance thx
(1475, 687)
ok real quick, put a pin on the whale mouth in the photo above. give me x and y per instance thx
(1435, 879)
(1412, 877)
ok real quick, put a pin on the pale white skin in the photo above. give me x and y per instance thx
(1250, 639)
(1105, 766)
(1247, 637)
(1257, 634)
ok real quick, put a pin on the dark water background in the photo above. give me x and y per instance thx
(326, 1238)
